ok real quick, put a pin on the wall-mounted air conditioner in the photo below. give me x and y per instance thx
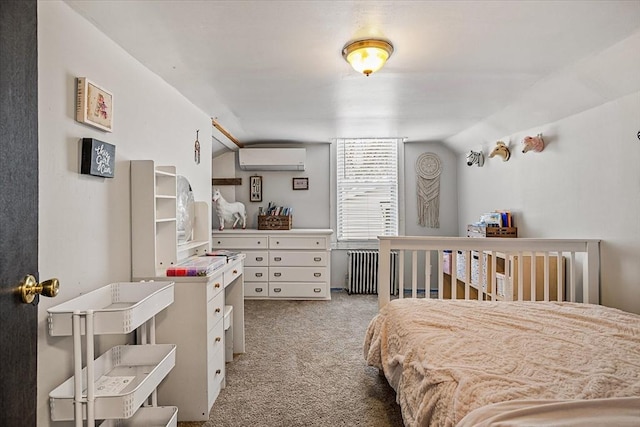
(272, 159)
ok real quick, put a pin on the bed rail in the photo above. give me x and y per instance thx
(492, 268)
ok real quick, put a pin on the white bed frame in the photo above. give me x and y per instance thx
(576, 253)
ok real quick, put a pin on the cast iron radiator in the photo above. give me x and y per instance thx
(362, 277)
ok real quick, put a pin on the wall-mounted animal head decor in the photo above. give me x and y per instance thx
(533, 143)
(501, 150)
(475, 157)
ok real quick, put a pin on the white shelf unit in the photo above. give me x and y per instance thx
(117, 383)
(154, 235)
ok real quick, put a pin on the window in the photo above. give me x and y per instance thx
(367, 187)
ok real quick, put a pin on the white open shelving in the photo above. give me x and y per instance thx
(116, 384)
(154, 231)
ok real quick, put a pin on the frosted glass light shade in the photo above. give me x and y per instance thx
(367, 56)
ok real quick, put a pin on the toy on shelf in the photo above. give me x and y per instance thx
(234, 211)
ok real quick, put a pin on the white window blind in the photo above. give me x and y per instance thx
(367, 181)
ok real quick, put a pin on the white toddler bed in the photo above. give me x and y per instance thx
(490, 362)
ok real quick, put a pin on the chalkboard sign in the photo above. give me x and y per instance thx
(98, 158)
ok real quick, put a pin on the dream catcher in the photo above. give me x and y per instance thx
(196, 149)
(428, 168)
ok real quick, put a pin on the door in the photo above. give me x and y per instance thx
(18, 209)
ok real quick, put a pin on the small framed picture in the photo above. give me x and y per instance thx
(94, 105)
(300, 183)
(255, 188)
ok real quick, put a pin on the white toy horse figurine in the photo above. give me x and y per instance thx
(229, 211)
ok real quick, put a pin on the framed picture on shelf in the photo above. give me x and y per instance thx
(94, 105)
(255, 188)
(300, 183)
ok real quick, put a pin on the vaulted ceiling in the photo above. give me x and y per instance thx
(272, 71)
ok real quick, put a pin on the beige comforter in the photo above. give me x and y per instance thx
(446, 358)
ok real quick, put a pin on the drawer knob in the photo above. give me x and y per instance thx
(217, 285)
(235, 271)
(258, 289)
(277, 258)
(277, 274)
(317, 259)
(258, 274)
(217, 310)
(317, 274)
(218, 371)
(277, 290)
(259, 258)
(317, 290)
(218, 339)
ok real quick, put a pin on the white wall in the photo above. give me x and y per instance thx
(310, 207)
(313, 208)
(585, 184)
(85, 221)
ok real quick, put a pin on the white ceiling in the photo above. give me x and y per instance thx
(273, 71)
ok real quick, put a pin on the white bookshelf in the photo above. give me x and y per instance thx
(154, 234)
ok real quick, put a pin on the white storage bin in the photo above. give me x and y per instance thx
(142, 366)
(161, 416)
(119, 308)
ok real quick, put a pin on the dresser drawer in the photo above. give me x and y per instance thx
(298, 259)
(283, 242)
(222, 242)
(298, 290)
(215, 376)
(215, 339)
(256, 259)
(215, 310)
(298, 274)
(256, 289)
(231, 275)
(214, 286)
(256, 274)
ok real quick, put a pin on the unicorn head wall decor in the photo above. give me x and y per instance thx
(475, 157)
(501, 150)
(533, 143)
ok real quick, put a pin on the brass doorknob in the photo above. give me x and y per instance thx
(29, 288)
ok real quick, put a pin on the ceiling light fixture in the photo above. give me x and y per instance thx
(367, 56)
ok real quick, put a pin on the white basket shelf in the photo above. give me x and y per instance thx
(143, 367)
(162, 416)
(118, 308)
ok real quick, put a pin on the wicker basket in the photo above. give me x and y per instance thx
(275, 222)
(478, 231)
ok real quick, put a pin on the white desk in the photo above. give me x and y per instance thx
(194, 322)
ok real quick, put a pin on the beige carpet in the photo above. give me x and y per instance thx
(304, 367)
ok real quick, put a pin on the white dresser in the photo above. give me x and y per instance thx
(287, 264)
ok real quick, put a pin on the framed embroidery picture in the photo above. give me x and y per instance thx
(94, 105)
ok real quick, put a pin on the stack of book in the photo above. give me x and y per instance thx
(493, 224)
(272, 209)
